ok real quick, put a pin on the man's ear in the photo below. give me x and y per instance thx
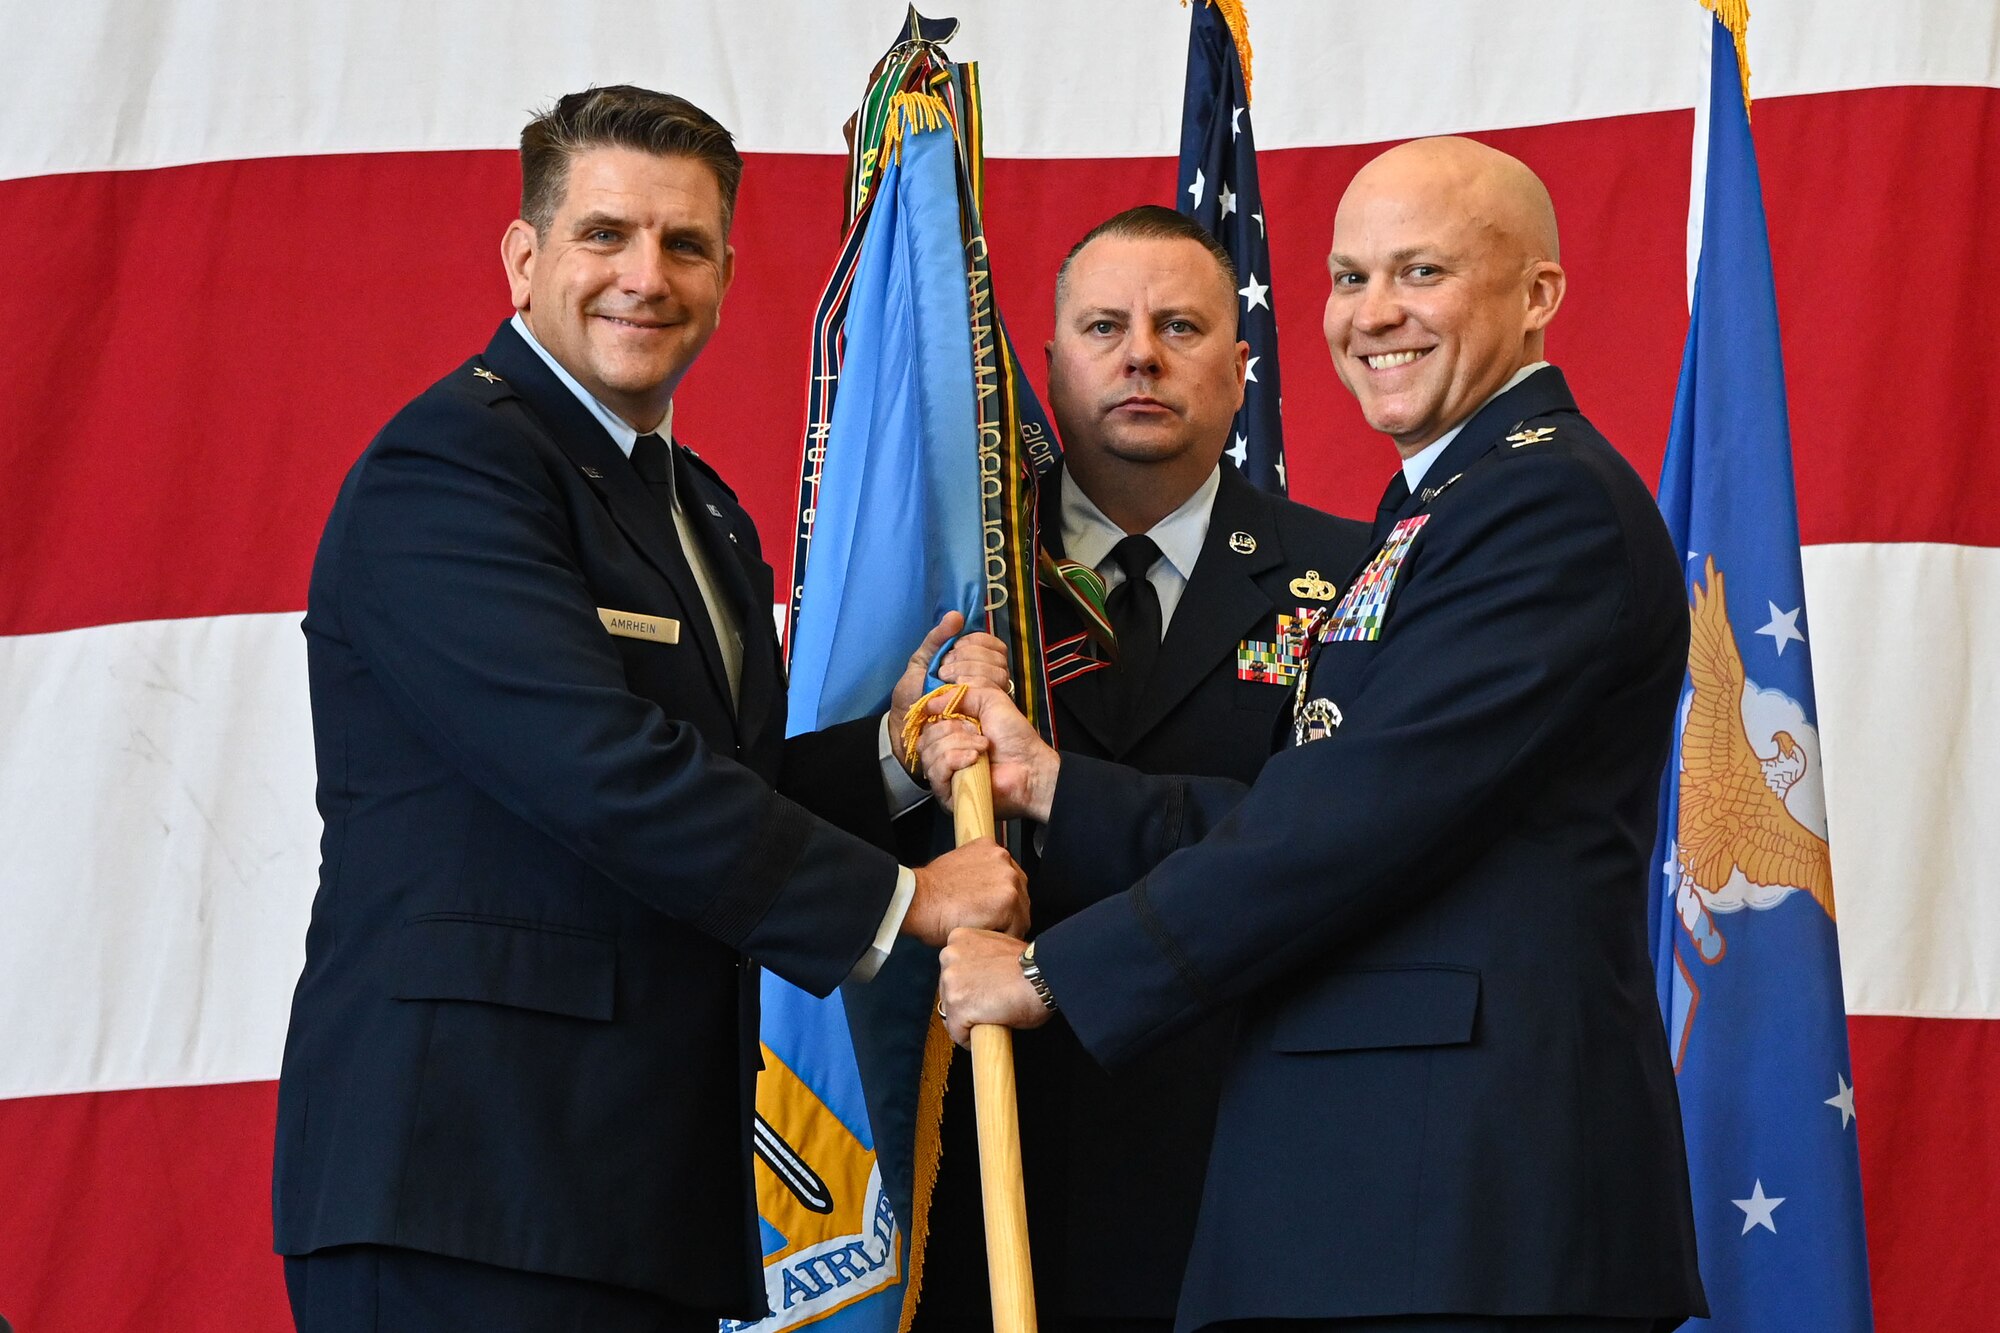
(1546, 284)
(728, 277)
(517, 256)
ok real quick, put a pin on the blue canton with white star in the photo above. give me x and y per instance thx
(1218, 189)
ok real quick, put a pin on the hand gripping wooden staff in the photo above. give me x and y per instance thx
(1009, 1273)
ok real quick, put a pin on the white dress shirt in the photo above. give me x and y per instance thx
(896, 784)
(1088, 536)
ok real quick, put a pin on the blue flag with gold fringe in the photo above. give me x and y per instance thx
(1743, 931)
(916, 496)
(1218, 188)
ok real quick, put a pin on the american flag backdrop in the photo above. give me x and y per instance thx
(240, 235)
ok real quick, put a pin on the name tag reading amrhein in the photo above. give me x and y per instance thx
(632, 625)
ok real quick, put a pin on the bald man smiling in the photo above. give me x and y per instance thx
(1451, 1106)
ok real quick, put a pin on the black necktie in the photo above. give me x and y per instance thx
(1134, 607)
(653, 460)
(1393, 499)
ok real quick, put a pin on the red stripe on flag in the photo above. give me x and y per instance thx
(1924, 1090)
(197, 353)
(136, 1212)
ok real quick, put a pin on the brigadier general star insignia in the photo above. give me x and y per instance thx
(483, 373)
(1538, 435)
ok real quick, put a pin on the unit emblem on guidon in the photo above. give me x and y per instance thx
(1315, 721)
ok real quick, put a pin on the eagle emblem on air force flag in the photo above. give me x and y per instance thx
(1752, 813)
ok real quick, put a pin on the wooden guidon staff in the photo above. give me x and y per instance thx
(1008, 1270)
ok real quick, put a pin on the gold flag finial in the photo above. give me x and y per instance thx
(1239, 29)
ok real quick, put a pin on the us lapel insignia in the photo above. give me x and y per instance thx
(1313, 588)
(1315, 721)
(483, 373)
(1430, 493)
(1539, 435)
(1242, 543)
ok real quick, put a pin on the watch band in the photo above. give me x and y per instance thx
(1032, 970)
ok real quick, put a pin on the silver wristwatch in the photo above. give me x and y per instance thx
(1032, 970)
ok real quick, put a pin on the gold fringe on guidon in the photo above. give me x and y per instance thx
(912, 113)
(929, 1147)
(1735, 16)
(1239, 27)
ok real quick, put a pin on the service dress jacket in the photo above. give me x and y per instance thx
(554, 857)
(1451, 1092)
(1114, 1163)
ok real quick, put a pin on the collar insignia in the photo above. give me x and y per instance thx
(483, 373)
(1242, 543)
(1539, 435)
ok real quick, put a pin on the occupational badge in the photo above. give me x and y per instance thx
(1312, 588)
(1538, 435)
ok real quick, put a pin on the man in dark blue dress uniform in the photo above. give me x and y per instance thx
(563, 824)
(1207, 577)
(1450, 1105)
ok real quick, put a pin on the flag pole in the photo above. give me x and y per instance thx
(1008, 1270)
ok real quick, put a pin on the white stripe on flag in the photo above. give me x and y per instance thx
(161, 850)
(237, 79)
(1904, 645)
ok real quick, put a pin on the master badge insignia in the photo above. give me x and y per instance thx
(1316, 720)
(1313, 588)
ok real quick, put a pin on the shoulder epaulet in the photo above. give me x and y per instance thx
(706, 469)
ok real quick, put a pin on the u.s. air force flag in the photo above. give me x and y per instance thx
(1743, 928)
(1218, 189)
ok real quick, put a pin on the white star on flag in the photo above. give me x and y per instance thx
(1250, 370)
(1239, 453)
(1254, 296)
(1757, 1210)
(1260, 222)
(1843, 1101)
(1784, 627)
(1196, 188)
(1280, 466)
(1227, 197)
(1236, 123)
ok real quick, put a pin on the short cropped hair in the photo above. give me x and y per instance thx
(1149, 222)
(619, 117)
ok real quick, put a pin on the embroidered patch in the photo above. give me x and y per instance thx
(1359, 614)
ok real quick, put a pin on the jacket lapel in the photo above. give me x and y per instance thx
(1223, 601)
(747, 583)
(1538, 395)
(625, 496)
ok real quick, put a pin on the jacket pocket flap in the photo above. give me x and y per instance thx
(1363, 1010)
(506, 962)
